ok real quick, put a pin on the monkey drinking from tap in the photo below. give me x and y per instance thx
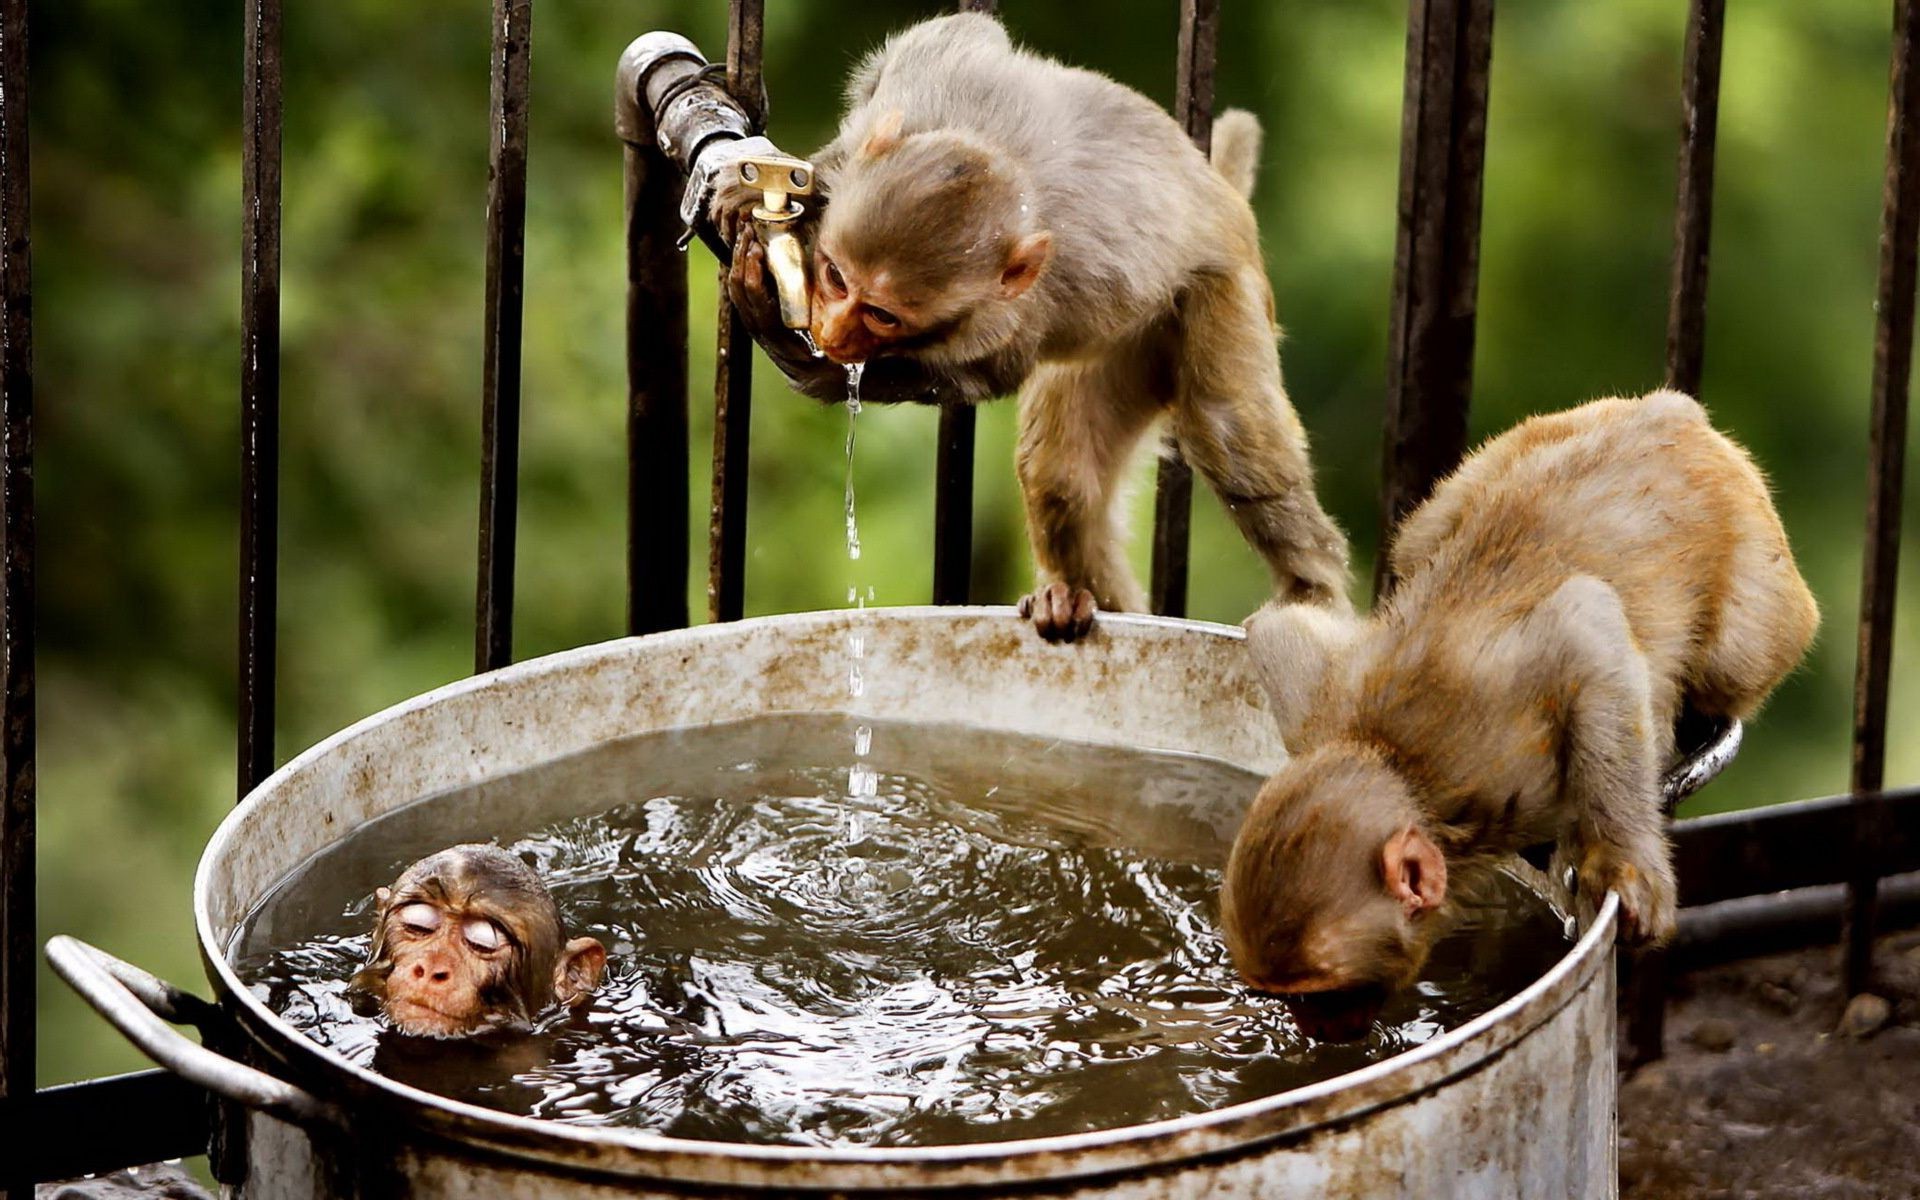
(469, 940)
(1561, 596)
(990, 220)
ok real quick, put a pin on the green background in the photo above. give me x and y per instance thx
(136, 163)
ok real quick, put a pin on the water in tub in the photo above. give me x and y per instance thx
(1004, 936)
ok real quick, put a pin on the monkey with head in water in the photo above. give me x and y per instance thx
(993, 220)
(1561, 596)
(469, 940)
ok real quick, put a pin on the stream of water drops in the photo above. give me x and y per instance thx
(861, 779)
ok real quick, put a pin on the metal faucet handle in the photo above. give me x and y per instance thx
(778, 177)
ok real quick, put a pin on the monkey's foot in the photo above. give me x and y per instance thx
(1649, 911)
(1060, 612)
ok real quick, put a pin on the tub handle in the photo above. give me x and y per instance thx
(140, 1006)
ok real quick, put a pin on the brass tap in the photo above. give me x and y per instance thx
(779, 179)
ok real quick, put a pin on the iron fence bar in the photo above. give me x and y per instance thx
(656, 337)
(1755, 925)
(86, 1128)
(953, 506)
(17, 913)
(1803, 843)
(1436, 269)
(1693, 206)
(510, 63)
(1173, 485)
(733, 360)
(953, 474)
(1887, 441)
(1686, 353)
(260, 118)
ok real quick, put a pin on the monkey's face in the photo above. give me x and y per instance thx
(925, 231)
(860, 311)
(468, 940)
(1324, 894)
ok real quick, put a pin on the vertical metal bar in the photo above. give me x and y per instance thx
(1173, 487)
(1686, 345)
(657, 504)
(953, 506)
(1693, 206)
(953, 474)
(17, 932)
(733, 362)
(259, 386)
(500, 377)
(1887, 441)
(1436, 270)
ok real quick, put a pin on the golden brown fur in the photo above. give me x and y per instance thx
(997, 220)
(1562, 595)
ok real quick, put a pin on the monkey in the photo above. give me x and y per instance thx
(467, 941)
(992, 221)
(1562, 595)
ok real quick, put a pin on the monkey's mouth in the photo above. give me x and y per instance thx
(412, 1016)
(1341, 1015)
(842, 357)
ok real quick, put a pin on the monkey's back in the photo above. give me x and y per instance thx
(1129, 198)
(1643, 494)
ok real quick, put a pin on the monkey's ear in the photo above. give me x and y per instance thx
(1416, 871)
(884, 137)
(381, 898)
(1025, 263)
(578, 971)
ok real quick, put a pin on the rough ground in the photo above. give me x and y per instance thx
(1762, 1097)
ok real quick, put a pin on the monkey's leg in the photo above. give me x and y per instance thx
(1766, 618)
(1235, 424)
(1611, 782)
(1079, 426)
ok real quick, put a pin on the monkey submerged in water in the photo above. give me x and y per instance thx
(469, 940)
(1561, 596)
(994, 220)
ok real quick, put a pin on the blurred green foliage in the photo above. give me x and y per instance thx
(136, 158)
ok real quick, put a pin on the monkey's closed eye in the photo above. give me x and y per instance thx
(881, 317)
(483, 934)
(421, 918)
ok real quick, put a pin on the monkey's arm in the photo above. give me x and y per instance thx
(1294, 649)
(1611, 776)
(889, 379)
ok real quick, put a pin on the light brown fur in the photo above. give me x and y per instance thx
(997, 220)
(1562, 595)
(469, 940)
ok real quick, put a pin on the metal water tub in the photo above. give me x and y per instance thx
(1518, 1103)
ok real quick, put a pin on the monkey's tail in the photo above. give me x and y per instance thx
(1236, 148)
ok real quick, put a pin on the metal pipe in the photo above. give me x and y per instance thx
(1887, 442)
(1173, 486)
(17, 796)
(1436, 268)
(656, 337)
(82, 1128)
(500, 375)
(1754, 925)
(733, 359)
